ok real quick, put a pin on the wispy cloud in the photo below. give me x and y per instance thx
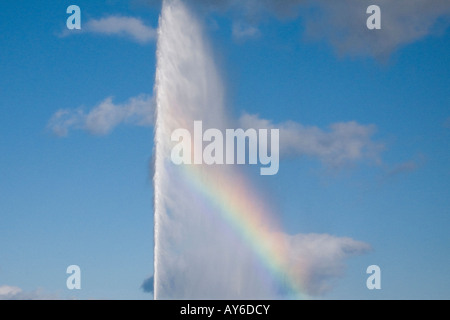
(343, 23)
(344, 143)
(104, 117)
(447, 123)
(129, 27)
(243, 31)
(404, 167)
(407, 166)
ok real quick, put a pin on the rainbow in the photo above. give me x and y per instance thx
(230, 194)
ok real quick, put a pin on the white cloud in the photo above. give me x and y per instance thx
(322, 259)
(344, 143)
(104, 117)
(16, 293)
(9, 291)
(343, 24)
(129, 27)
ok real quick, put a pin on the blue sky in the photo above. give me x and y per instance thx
(83, 195)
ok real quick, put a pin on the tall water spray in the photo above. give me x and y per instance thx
(197, 253)
(214, 237)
